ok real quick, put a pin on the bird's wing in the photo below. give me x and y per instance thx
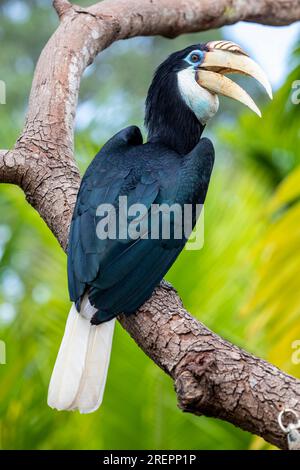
(102, 183)
(120, 274)
(129, 279)
(108, 176)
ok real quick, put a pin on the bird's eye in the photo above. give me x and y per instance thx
(195, 58)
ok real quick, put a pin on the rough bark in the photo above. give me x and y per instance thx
(211, 376)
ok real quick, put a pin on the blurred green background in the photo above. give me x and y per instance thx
(244, 284)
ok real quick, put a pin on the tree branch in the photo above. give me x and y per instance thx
(171, 18)
(61, 6)
(11, 167)
(211, 376)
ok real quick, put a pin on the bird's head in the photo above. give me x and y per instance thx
(184, 92)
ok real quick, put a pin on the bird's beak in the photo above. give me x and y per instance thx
(227, 57)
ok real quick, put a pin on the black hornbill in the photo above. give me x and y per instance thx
(113, 275)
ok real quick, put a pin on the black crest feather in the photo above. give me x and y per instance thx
(167, 117)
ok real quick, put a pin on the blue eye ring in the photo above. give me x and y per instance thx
(195, 57)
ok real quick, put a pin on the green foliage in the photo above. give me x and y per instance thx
(139, 409)
(272, 303)
(275, 298)
(271, 145)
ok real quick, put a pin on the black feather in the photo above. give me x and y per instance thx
(174, 166)
(168, 118)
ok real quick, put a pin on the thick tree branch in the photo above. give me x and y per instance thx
(171, 18)
(211, 376)
(11, 167)
(61, 6)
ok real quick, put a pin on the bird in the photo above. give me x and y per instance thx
(113, 274)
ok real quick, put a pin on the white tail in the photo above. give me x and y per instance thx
(79, 375)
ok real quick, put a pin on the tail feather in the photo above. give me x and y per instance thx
(79, 375)
(92, 385)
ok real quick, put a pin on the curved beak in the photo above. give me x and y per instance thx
(227, 57)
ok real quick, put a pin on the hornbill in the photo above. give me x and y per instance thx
(114, 275)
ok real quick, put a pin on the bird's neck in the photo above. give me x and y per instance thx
(168, 119)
